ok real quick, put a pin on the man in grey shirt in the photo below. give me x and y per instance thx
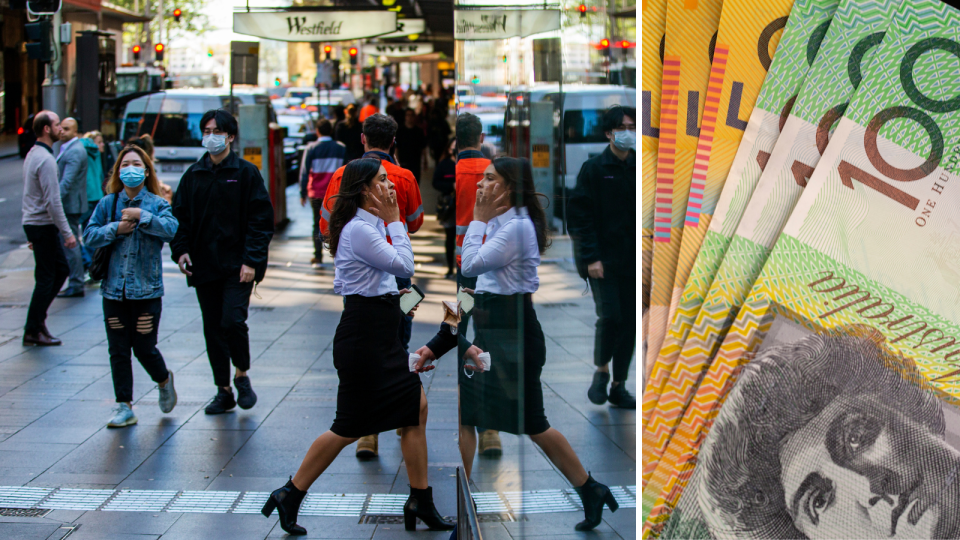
(43, 222)
(72, 165)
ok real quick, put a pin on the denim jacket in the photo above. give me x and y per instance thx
(135, 265)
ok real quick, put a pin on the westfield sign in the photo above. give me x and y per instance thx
(315, 25)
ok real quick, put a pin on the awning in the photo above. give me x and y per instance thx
(122, 13)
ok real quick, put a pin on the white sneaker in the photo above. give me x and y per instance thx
(123, 416)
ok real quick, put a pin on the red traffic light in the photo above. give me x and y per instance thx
(158, 47)
(136, 49)
(327, 49)
(583, 9)
(19, 131)
(604, 43)
(353, 51)
(626, 44)
(176, 14)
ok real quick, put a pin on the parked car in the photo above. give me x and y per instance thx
(25, 137)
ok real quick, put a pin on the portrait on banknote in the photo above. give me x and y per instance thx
(826, 435)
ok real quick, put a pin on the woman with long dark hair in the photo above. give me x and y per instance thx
(348, 132)
(135, 220)
(377, 390)
(502, 249)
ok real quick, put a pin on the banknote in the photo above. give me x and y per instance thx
(654, 21)
(873, 243)
(804, 32)
(690, 30)
(786, 73)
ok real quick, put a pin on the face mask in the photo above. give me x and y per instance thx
(132, 176)
(215, 144)
(625, 140)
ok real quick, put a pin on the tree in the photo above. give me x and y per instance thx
(193, 22)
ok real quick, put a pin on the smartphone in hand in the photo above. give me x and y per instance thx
(411, 299)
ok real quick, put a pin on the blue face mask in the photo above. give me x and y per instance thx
(132, 176)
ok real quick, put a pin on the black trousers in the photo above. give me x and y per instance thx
(49, 273)
(316, 205)
(449, 246)
(133, 324)
(224, 304)
(616, 299)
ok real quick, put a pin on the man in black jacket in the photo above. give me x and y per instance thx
(226, 223)
(602, 222)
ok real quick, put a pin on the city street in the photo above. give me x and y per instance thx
(186, 475)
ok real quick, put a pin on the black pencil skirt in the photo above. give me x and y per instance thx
(508, 397)
(377, 392)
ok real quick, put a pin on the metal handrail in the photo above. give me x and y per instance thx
(468, 524)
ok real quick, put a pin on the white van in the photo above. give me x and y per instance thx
(583, 106)
(172, 118)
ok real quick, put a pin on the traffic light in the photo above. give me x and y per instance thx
(159, 50)
(327, 49)
(604, 47)
(626, 44)
(583, 10)
(353, 56)
(136, 53)
(210, 53)
(176, 14)
(504, 59)
(40, 31)
(43, 7)
(276, 82)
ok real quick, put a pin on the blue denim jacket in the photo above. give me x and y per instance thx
(135, 265)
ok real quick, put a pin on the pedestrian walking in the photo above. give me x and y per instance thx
(72, 167)
(411, 144)
(602, 222)
(502, 249)
(320, 160)
(95, 177)
(226, 223)
(444, 181)
(377, 390)
(134, 221)
(348, 132)
(379, 133)
(46, 227)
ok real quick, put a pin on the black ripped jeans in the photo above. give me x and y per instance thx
(132, 324)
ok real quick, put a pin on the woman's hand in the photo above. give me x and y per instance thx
(125, 227)
(384, 204)
(473, 354)
(426, 355)
(491, 202)
(130, 214)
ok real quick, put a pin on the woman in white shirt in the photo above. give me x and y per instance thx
(377, 391)
(502, 249)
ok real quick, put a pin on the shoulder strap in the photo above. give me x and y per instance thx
(113, 207)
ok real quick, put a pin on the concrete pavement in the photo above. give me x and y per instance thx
(188, 475)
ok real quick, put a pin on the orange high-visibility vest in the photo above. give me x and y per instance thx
(469, 174)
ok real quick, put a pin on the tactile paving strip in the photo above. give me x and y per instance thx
(22, 497)
(541, 501)
(507, 504)
(333, 504)
(386, 504)
(217, 502)
(140, 500)
(77, 499)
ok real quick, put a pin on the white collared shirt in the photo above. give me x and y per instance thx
(365, 262)
(506, 263)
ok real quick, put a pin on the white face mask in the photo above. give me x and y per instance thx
(215, 144)
(625, 140)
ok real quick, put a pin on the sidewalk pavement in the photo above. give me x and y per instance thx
(8, 145)
(188, 475)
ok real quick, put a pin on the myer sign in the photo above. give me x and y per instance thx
(315, 25)
(397, 49)
(502, 24)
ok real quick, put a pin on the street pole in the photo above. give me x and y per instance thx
(54, 89)
(161, 13)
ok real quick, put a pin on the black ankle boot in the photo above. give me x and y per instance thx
(420, 505)
(287, 501)
(594, 495)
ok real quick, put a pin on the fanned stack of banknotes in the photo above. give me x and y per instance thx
(801, 265)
